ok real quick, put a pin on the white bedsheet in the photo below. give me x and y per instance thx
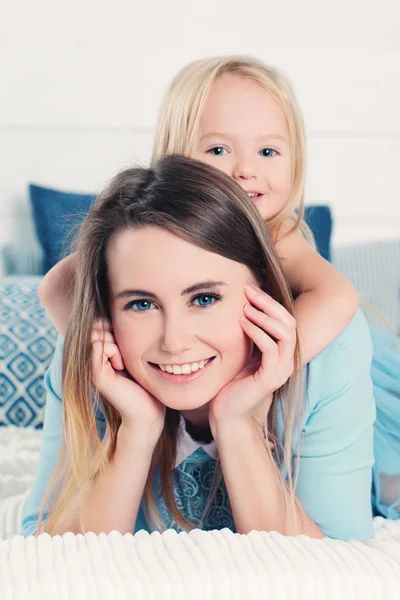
(216, 564)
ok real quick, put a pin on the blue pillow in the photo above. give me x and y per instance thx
(57, 216)
(319, 220)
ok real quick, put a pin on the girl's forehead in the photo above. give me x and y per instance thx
(237, 102)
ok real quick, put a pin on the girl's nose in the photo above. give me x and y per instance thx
(244, 168)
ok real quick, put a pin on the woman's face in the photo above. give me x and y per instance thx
(175, 311)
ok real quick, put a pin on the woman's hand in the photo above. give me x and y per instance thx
(139, 410)
(273, 330)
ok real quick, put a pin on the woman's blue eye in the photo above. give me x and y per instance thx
(140, 305)
(205, 299)
(268, 152)
(217, 151)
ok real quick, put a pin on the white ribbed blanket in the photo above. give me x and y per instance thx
(200, 565)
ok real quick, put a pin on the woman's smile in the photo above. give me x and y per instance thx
(185, 373)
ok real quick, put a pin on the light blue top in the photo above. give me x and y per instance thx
(336, 451)
(385, 372)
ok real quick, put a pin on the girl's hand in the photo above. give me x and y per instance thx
(273, 330)
(139, 410)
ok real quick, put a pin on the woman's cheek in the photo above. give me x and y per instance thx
(229, 336)
(132, 340)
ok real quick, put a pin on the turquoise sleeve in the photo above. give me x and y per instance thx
(336, 450)
(385, 374)
(51, 442)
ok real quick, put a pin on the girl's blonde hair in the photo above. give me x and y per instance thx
(207, 208)
(183, 105)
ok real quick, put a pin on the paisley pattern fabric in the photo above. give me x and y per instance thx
(193, 484)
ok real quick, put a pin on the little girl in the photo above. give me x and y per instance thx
(241, 116)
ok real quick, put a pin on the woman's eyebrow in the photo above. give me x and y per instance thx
(128, 293)
(202, 286)
(197, 287)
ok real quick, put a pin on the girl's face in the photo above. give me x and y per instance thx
(175, 311)
(243, 132)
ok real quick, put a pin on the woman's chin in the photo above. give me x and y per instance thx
(183, 404)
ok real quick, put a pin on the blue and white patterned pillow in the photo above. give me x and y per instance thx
(27, 341)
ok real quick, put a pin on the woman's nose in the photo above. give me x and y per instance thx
(175, 338)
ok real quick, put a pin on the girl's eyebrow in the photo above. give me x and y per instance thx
(216, 134)
(197, 287)
(274, 136)
(270, 136)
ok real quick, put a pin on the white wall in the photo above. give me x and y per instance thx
(81, 83)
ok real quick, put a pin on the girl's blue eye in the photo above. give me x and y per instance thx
(140, 305)
(268, 152)
(205, 299)
(217, 151)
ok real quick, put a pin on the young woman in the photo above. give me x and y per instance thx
(202, 416)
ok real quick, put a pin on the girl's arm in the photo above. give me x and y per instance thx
(56, 292)
(326, 300)
(112, 501)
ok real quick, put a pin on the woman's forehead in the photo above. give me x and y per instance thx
(154, 257)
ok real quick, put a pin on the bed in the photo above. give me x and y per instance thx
(218, 564)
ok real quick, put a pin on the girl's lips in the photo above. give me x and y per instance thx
(171, 378)
(256, 197)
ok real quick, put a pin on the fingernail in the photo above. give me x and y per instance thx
(252, 289)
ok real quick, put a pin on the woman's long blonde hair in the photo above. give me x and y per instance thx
(205, 207)
(183, 105)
